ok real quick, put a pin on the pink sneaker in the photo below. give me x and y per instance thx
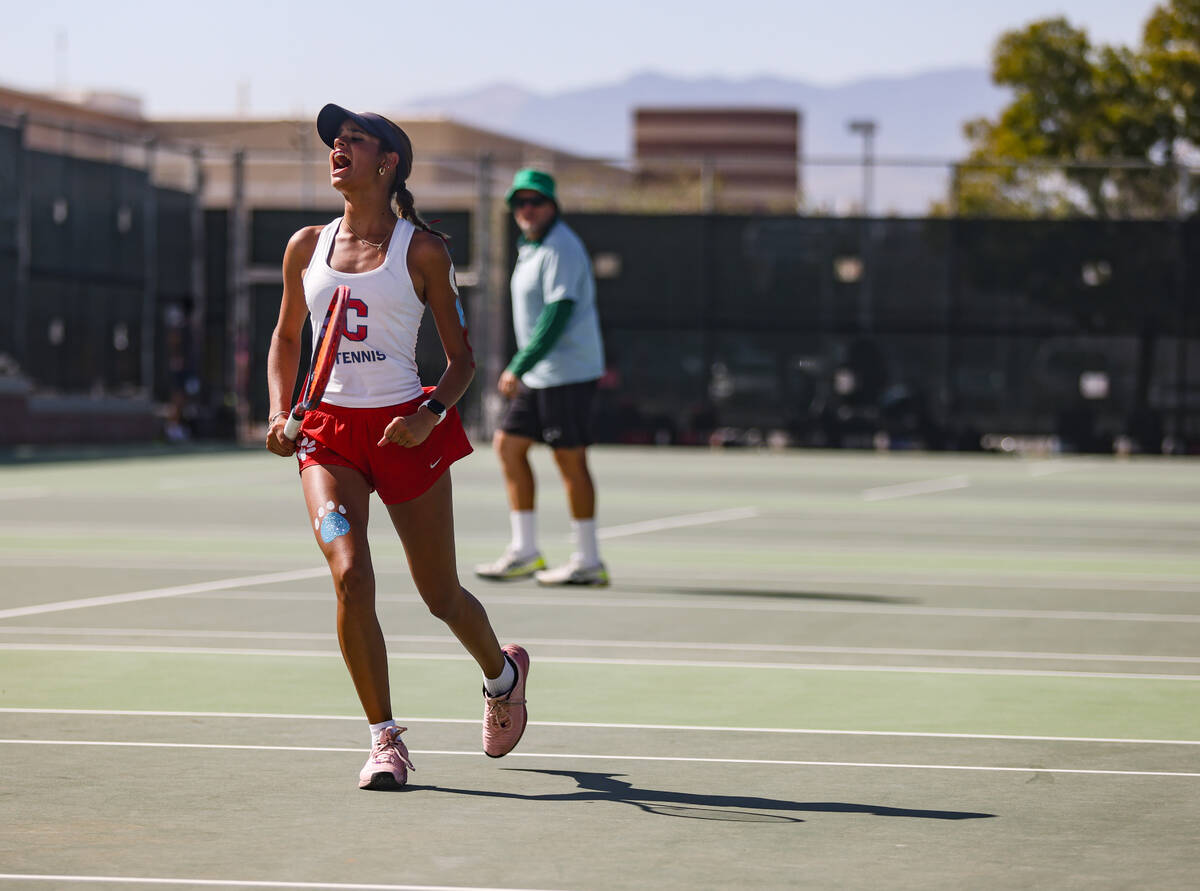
(389, 764)
(504, 717)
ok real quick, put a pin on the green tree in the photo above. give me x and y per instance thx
(1091, 129)
(1171, 56)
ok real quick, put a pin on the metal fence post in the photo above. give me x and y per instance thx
(950, 339)
(149, 273)
(489, 287)
(954, 195)
(199, 315)
(24, 245)
(708, 186)
(239, 294)
(1180, 280)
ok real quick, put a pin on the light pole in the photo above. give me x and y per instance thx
(866, 129)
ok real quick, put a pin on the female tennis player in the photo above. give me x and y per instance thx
(377, 429)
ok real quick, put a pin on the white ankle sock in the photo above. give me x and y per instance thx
(377, 729)
(500, 685)
(586, 544)
(524, 531)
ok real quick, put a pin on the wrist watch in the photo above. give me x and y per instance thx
(436, 407)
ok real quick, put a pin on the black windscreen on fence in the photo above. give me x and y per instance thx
(928, 333)
(90, 293)
(937, 333)
(10, 141)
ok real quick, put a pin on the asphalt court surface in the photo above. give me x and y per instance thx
(811, 670)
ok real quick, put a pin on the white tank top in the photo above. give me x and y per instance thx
(377, 359)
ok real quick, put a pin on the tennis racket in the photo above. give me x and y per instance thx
(324, 357)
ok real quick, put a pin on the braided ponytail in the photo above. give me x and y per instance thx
(405, 209)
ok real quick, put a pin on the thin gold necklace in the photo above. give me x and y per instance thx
(378, 247)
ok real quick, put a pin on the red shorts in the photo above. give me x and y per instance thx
(348, 437)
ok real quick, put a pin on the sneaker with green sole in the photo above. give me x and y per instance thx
(511, 566)
(573, 572)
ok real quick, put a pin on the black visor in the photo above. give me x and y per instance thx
(331, 118)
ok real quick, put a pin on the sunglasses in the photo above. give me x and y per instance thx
(536, 201)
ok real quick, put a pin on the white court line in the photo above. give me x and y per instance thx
(156, 593)
(1009, 579)
(921, 487)
(716, 516)
(570, 643)
(858, 608)
(592, 725)
(677, 759)
(753, 604)
(172, 483)
(579, 660)
(1046, 468)
(295, 575)
(238, 883)
(75, 560)
(18, 493)
(949, 578)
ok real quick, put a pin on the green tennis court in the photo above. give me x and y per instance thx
(811, 670)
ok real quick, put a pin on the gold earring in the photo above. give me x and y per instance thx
(382, 169)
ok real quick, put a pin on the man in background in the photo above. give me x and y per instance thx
(549, 385)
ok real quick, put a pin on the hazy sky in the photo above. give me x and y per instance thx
(291, 57)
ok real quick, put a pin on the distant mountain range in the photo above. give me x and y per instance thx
(918, 116)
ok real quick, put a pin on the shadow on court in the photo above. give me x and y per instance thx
(768, 592)
(728, 808)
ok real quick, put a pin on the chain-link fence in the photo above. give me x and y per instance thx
(930, 333)
(146, 272)
(99, 248)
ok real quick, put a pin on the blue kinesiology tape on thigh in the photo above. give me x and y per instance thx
(331, 521)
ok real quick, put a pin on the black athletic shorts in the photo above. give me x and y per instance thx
(561, 417)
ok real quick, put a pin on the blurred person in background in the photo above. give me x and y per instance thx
(377, 429)
(549, 384)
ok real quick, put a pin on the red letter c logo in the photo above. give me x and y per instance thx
(355, 331)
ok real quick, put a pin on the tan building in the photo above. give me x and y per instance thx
(100, 127)
(687, 159)
(746, 158)
(286, 164)
(105, 112)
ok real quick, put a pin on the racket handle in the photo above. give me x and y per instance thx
(292, 429)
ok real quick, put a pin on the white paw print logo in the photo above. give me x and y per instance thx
(305, 448)
(331, 522)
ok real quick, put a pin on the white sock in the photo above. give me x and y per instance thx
(524, 532)
(498, 686)
(377, 729)
(586, 544)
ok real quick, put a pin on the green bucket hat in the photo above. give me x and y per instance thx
(535, 180)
